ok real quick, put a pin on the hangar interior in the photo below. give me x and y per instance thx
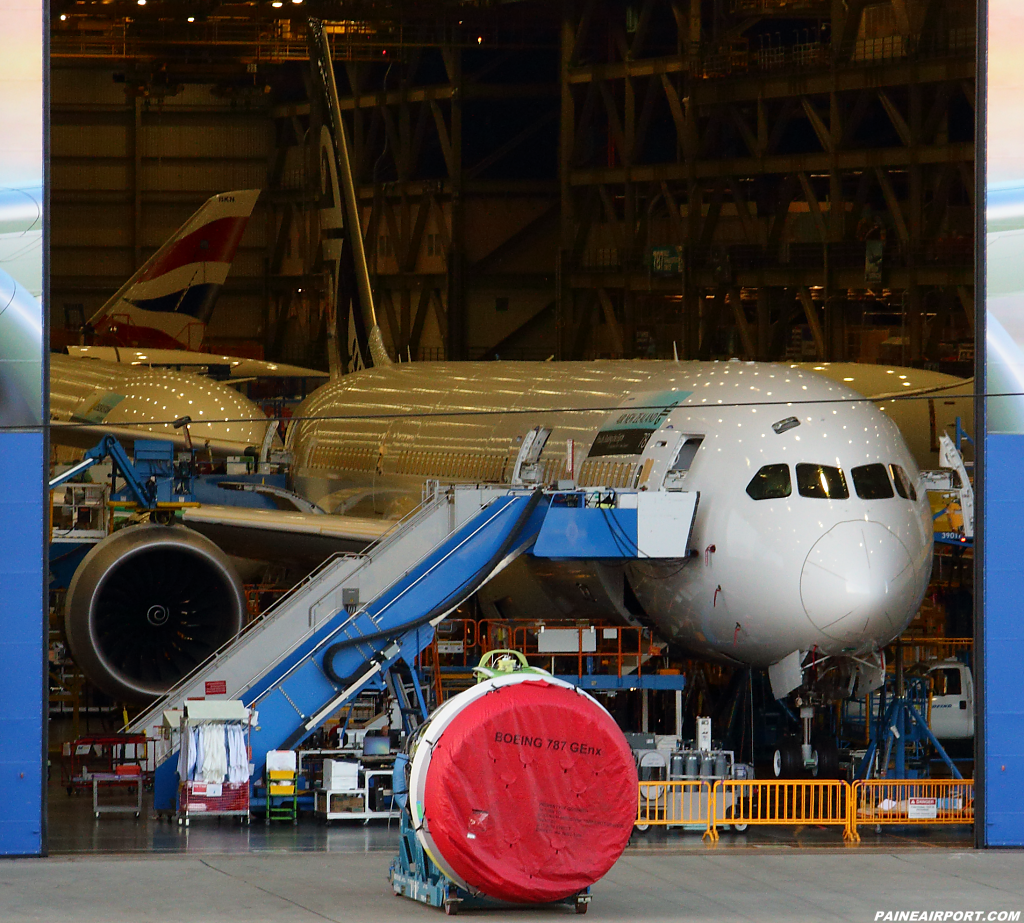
(786, 181)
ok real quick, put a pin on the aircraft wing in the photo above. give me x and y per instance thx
(86, 435)
(214, 364)
(963, 388)
(262, 534)
(881, 382)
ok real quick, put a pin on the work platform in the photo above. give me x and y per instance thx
(339, 631)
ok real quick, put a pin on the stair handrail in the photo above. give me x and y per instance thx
(419, 512)
(352, 616)
(425, 509)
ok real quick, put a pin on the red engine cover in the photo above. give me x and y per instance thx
(531, 793)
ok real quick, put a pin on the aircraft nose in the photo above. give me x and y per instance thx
(858, 582)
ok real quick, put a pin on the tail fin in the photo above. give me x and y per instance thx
(168, 302)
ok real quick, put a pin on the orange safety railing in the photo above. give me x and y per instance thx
(617, 650)
(259, 597)
(824, 802)
(925, 649)
(456, 639)
(454, 644)
(912, 801)
(689, 803)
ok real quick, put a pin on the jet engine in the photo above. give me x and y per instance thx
(147, 605)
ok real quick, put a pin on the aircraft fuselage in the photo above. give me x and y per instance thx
(829, 558)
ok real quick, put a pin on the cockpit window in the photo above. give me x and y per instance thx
(821, 482)
(771, 483)
(904, 486)
(871, 482)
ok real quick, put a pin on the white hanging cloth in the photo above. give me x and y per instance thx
(190, 754)
(215, 757)
(213, 751)
(238, 755)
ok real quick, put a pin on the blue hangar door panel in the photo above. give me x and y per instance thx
(23, 449)
(22, 644)
(999, 341)
(1003, 643)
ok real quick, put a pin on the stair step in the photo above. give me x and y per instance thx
(330, 654)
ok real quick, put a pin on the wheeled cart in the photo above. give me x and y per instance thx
(201, 798)
(372, 799)
(114, 780)
(209, 799)
(281, 784)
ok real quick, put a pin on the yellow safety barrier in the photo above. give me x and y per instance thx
(912, 801)
(825, 802)
(688, 803)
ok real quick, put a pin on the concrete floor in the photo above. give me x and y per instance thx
(719, 885)
(116, 868)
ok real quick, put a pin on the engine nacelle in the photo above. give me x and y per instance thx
(147, 605)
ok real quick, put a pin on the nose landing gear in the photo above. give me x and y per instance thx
(786, 762)
(815, 754)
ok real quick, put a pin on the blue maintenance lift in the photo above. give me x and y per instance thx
(153, 480)
(340, 631)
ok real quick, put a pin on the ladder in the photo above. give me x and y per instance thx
(340, 630)
(320, 645)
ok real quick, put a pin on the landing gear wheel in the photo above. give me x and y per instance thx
(451, 908)
(581, 906)
(827, 754)
(786, 764)
(641, 828)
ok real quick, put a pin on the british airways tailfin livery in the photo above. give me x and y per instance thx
(168, 302)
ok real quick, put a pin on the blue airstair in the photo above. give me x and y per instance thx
(342, 628)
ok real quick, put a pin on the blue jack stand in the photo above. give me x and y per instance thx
(901, 725)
